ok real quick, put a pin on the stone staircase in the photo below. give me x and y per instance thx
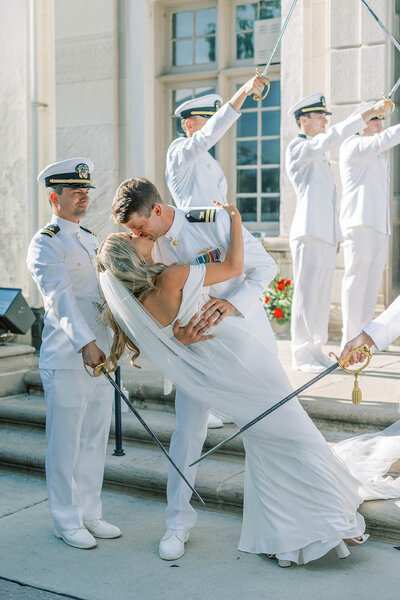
(143, 470)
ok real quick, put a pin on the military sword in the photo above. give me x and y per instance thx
(263, 75)
(394, 42)
(340, 363)
(109, 367)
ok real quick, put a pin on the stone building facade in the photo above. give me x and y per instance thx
(102, 78)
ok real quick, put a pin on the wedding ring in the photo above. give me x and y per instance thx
(220, 311)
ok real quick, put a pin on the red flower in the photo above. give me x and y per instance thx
(267, 299)
(280, 286)
(278, 313)
(288, 282)
(282, 281)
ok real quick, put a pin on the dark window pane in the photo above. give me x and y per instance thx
(249, 102)
(270, 181)
(274, 95)
(245, 45)
(205, 21)
(270, 152)
(271, 122)
(246, 153)
(182, 53)
(180, 96)
(182, 24)
(246, 14)
(270, 209)
(270, 9)
(247, 208)
(205, 50)
(246, 180)
(247, 125)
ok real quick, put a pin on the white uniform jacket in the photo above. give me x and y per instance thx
(311, 176)
(63, 268)
(193, 176)
(386, 328)
(187, 242)
(364, 171)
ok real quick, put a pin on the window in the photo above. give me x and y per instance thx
(193, 37)
(246, 14)
(258, 159)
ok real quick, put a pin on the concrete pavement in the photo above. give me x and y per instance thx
(128, 568)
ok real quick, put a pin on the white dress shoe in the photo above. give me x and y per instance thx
(342, 550)
(284, 564)
(172, 545)
(101, 529)
(78, 538)
(324, 359)
(214, 422)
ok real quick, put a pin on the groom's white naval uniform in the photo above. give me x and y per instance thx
(61, 259)
(365, 222)
(315, 231)
(196, 236)
(385, 329)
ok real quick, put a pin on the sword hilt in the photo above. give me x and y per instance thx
(267, 85)
(106, 367)
(392, 107)
(365, 351)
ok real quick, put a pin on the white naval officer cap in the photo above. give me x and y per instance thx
(204, 106)
(314, 102)
(364, 107)
(73, 172)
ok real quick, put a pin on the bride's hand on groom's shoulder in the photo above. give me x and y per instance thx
(230, 209)
(193, 332)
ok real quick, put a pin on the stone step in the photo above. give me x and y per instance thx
(16, 360)
(143, 471)
(328, 413)
(29, 412)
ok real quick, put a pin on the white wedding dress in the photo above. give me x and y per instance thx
(300, 497)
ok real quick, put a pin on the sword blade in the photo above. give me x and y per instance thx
(282, 31)
(377, 19)
(394, 88)
(268, 412)
(153, 435)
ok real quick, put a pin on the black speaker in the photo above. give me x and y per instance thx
(15, 314)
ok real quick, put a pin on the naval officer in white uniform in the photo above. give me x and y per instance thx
(315, 231)
(364, 220)
(195, 236)
(61, 260)
(193, 176)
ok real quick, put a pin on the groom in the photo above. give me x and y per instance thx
(195, 236)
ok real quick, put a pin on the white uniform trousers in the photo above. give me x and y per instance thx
(365, 254)
(78, 421)
(185, 447)
(313, 267)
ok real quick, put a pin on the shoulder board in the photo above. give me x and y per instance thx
(51, 230)
(87, 230)
(204, 215)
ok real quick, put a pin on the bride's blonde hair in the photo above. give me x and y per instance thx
(128, 265)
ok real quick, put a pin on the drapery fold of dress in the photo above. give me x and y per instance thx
(300, 498)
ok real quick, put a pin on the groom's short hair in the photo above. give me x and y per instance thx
(137, 195)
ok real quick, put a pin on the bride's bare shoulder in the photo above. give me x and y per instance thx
(173, 277)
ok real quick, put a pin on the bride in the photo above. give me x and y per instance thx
(300, 497)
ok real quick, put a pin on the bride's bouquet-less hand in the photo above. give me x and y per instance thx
(277, 300)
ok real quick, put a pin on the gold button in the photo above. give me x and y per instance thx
(79, 264)
(91, 256)
(79, 237)
(175, 243)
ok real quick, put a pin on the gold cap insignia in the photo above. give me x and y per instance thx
(82, 170)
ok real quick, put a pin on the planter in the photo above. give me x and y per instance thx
(281, 331)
